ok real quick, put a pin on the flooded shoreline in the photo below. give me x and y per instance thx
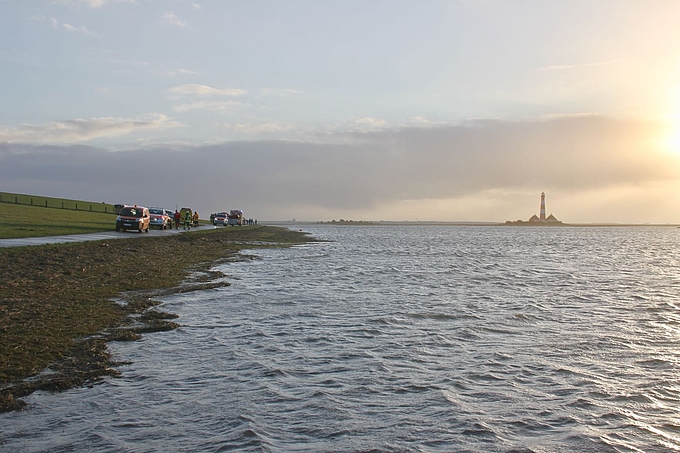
(62, 304)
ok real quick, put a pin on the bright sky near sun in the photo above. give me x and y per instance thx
(365, 110)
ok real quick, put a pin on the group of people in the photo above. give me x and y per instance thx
(187, 218)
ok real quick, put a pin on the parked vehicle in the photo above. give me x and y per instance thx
(183, 210)
(159, 218)
(235, 217)
(133, 218)
(221, 218)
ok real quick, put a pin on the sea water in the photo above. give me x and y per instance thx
(400, 338)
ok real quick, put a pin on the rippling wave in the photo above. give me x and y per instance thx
(401, 339)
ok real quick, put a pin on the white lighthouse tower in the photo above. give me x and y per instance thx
(542, 215)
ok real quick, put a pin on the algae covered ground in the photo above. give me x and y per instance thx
(60, 304)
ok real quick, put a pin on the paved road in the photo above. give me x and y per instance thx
(20, 242)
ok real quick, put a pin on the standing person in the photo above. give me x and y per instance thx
(187, 219)
(195, 219)
(177, 218)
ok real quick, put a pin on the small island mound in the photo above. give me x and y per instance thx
(541, 220)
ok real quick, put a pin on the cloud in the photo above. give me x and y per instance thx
(92, 3)
(203, 90)
(358, 124)
(80, 29)
(183, 71)
(421, 121)
(129, 67)
(64, 26)
(482, 164)
(562, 67)
(259, 127)
(169, 18)
(205, 105)
(79, 130)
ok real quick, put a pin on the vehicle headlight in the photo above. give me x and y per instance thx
(118, 219)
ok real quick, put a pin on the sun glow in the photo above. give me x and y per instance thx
(671, 140)
(672, 136)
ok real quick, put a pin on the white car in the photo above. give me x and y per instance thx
(159, 218)
(221, 218)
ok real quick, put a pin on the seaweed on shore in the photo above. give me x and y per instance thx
(60, 305)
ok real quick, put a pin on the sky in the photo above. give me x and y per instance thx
(433, 110)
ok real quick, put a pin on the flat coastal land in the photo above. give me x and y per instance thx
(61, 304)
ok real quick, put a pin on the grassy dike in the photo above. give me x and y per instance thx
(33, 221)
(61, 304)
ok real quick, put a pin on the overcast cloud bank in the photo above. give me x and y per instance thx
(501, 166)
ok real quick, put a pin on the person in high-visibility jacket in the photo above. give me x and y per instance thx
(196, 219)
(187, 220)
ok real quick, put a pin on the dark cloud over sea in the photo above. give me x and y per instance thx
(359, 172)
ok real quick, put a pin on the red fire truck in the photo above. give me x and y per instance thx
(236, 217)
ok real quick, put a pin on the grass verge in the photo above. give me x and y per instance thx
(58, 307)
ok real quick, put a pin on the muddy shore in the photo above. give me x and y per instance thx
(61, 304)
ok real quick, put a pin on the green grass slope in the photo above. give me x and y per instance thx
(50, 202)
(19, 221)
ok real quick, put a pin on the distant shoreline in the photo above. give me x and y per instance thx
(463, 223)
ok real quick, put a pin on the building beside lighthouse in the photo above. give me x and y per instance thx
(539, 219)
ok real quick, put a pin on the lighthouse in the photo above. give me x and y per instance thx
(543, 220)
(542, 215)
